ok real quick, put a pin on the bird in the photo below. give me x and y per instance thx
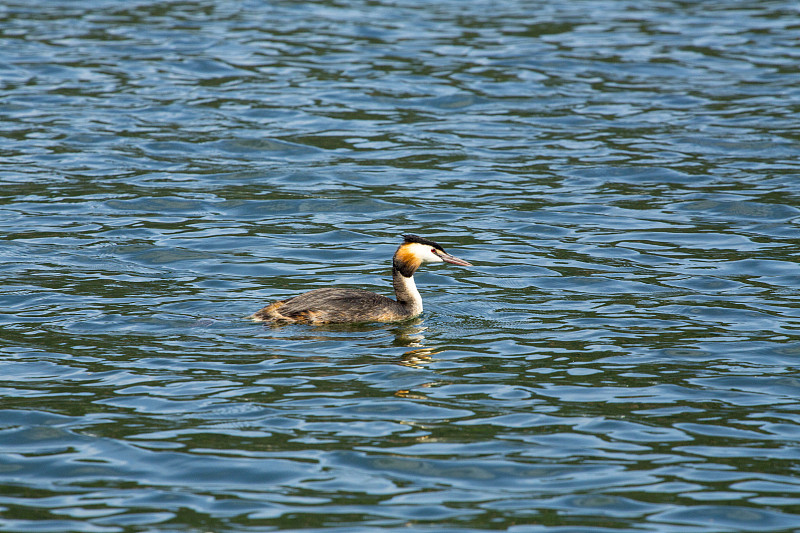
(332, 305)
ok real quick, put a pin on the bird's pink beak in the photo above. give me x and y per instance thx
(453, 260)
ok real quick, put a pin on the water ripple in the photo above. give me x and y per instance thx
(623, 355)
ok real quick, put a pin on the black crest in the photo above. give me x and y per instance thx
(420, 240)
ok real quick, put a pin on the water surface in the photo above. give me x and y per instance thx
(623, 355)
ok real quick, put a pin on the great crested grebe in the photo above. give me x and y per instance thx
(332, 305)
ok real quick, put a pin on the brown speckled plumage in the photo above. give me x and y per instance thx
(335, 305)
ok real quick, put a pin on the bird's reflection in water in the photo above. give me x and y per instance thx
(411, 335)
(408, 334)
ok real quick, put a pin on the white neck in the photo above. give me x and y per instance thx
(407, 294)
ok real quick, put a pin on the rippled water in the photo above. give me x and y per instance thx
(623, 356)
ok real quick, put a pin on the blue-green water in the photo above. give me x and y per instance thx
(624, 355)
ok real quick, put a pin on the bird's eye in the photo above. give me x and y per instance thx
(433, 251)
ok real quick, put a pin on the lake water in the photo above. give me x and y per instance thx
(623, 356)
